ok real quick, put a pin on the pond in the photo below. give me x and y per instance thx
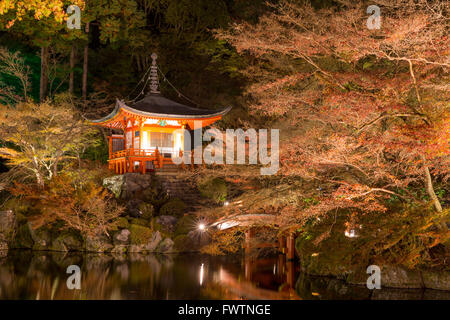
(42, 275)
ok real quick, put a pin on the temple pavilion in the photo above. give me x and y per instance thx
(146, 138)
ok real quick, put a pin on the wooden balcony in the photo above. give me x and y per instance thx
(126, 160)
(135, 153)
(142, 160)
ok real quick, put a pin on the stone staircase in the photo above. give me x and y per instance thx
(178, 184)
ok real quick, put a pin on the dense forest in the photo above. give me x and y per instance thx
(363, 114)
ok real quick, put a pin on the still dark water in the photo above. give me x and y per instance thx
(42, 275)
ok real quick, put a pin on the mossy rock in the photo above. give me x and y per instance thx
(175, 207)
(114, 184)
(99, 243)
(140, 234)
(119, 250)
(165, 246)
(21, 207)
(140, 221)
(23, 238)
(69, 240)
(7, 225)
(215, 189)
(183, 243)
(147, 210)
(185, 224)
(155, 226)
(122, 223)
(150, 194)
(42, 238)
(154, 194)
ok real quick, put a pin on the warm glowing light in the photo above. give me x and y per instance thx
(350, 233)
(173, 123)
(151, 121)
(178, 142)
(226, 203)
(201, 274)
(201, 227)
(226, 225)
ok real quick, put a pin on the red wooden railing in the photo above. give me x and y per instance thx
(135, 153)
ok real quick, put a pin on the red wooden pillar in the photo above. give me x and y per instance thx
(282, 244)
(110, 147)
(290, 247)
(281, 263)
(131, 162)
(140, 137)
(124, 123)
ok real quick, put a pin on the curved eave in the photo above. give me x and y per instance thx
(110, 116)
(120, 105)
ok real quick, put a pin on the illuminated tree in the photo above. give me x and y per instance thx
(42, 137)
(364, 112)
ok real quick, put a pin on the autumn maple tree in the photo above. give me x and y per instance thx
(363, 113)
(42, 138)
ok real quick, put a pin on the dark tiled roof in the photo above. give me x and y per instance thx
(156, 103)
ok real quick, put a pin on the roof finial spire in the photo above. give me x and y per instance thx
(154, 82)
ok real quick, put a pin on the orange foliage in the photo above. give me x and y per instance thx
(83, 206)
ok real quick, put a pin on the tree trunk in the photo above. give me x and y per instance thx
(72, 66)
(432, 194)
(85, 66)
(39, 179)
(44, 74)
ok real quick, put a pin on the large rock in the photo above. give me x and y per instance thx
(7, 227)
(122, 237)
(436, 280)
(133, 208)
(146, 210)
(165, 246)
(127, 185)
(399, 277)
(22, 237)
(150, 244)
(42, 238)
(167, 223)
(67, 241)
(119, 251)
(114, 184)
(98, 243)
(174, 207)
(185, 224)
